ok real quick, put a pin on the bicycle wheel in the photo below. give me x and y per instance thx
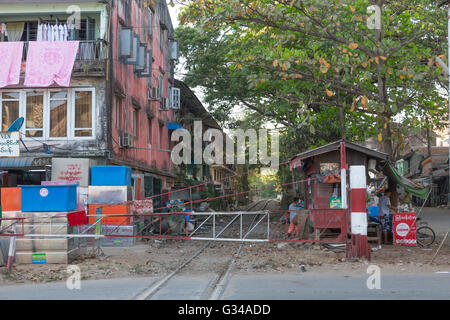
(425, 236)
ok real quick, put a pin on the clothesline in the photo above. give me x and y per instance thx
(55, 32)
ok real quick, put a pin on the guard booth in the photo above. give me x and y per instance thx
(326, 186)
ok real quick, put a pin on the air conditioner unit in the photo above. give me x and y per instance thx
(154, 94)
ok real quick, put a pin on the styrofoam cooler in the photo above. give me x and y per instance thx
(109, 194)
(129, 230)
(59, 198)
(110, 176)
(81, 191)
(11, 199)
(44, 249)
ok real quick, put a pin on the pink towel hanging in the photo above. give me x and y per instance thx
(10, 62)
(49, 62)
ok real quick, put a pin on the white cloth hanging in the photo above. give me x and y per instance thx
(66, 33)
(44, 32)
(55, 33)
(61, 32)
(39, 32)
(49, 33)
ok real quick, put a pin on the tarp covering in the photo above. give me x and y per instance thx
(409, 186)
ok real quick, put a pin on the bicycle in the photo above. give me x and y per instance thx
(424, 234)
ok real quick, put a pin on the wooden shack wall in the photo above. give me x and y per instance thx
(319, 199)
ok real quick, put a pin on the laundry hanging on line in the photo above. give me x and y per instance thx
(10, 62)
(3, 30)
(49, 62)
(55, 32)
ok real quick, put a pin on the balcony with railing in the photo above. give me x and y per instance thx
(90, 60)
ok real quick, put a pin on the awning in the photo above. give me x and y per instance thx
(16, 163)
(174, 126)
(409, 186)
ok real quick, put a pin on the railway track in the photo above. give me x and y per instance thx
(214, 288)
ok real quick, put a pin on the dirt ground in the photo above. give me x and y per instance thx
(157, 258)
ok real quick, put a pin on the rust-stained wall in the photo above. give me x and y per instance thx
(135, 90)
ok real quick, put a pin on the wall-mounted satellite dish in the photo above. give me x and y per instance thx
(17, 124)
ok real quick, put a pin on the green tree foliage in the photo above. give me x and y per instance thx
(316, 66)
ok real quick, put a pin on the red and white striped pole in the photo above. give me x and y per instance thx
(358, 186)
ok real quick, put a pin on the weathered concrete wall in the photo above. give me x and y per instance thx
(98, 143)
(135, 90)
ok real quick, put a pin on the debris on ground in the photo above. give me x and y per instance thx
(157, 258)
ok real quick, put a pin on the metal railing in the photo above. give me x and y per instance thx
(89, 50)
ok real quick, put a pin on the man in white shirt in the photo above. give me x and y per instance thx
(385, 217)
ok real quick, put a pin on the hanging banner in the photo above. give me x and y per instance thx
(405, 229)
(10, 144)
(142, 206)
(296, 163)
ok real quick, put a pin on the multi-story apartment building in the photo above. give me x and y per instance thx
(191, 110)
(117, 108)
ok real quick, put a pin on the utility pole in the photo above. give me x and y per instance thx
(432, 200)
(448, 74)
(443, 3)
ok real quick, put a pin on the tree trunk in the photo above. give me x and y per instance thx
(342, 120)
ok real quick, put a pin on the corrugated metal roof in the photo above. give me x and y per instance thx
(336, 145)
(14, 163)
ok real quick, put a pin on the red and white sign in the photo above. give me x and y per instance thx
(71, 170)
(43, 192)
(405, 229)
(142, 206)
(296, 163)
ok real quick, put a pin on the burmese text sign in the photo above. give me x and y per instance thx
(10, 144)
(405, 228)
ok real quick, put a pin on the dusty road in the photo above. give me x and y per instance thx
(290, 286)
(438, 219)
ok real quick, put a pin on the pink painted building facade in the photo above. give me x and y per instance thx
(141, 103)
(117, 108)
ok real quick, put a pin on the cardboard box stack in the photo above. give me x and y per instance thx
(108, 194)
(45, 211)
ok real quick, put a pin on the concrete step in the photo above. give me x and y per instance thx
(33, 244)
(46, 257)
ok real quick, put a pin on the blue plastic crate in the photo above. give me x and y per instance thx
(58, 198)
(373, 211)
(110, 176)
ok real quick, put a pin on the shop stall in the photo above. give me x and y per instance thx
(326, 186)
